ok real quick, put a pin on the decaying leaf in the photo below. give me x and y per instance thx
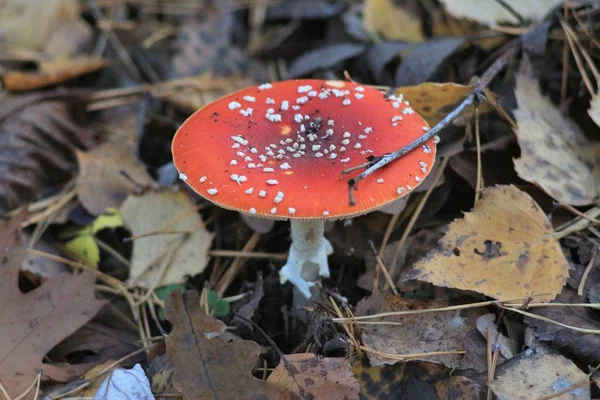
(206, 368)
(393, 23)
(503, 249)
(536, 376)
(491, 12)
(584, 346)
(33, 323)
(38, 135)
(507, 346)
(413, 380)
(555, 153)
(316, 378)
(177, 237)
(422, 333)
(594, 110)
(52, 72)
(433, 101)
(424, 59)
(107, 175)
(323, 58)
(125, 384)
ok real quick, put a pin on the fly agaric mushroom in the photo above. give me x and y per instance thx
(278, 151)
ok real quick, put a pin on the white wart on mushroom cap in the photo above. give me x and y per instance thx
(277, 150)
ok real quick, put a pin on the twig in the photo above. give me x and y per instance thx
(236, 266)
(479, 185)
(384, 270)
(476, 95)
(247, 254)
(586, 273)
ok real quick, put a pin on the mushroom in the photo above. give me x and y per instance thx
(277, 150)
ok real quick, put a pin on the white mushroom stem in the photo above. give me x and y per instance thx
(307, 259)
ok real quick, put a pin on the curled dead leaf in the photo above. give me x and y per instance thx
(206, 368)
(504, 249)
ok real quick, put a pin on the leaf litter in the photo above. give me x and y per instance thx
(497, 288)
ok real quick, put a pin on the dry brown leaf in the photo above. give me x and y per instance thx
(555, 153)
(539, 376)
(33, 323)
(392, 22)
(433, 101)
(422, 333)
(52, 72)
(317, 378)
(38, 135)
(206, 368)
(107, 175)
(171, 212)
(491, 12)
(503, 249)
(34, 24)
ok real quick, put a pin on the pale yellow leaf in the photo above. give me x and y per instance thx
(167, 212)
(503, 249)
(539, 376)
(392, 22)
(491, 12)
(555, 153)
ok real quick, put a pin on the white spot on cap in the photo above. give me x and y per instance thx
(183, 176)
(251, 99)
(368, 129)
(268, 169)
(212, 191)
(312, 93)
(295, 107)
(298, 118)
(304, 89)
(253, 210)
(249, 191)
(417, 178)
(316, 147)
(347, 134)
(396, 118)
(426, 149)
(278, 198)
(380, 180)
(396, 104)
(325, 213)
(265, 86)
(409, 187)
(272, 182)
(346, 102)
(285, 165)
(239, 139)
(318, 155)
(292, 210)
(345, 160)
(400, 190)
(346, 142)
(302, 100)
(251, 165)
(330, 122)
(233, 162)
(357, 146)
(359, 89)
(233, 105)
(436, 139)
(425, 128)
(273, 210)
(408, 111)
(273, 117)
(285, 105)
(359, 95)
(203, 179)
(247, 112)
(262, 193)
(269, 101)
(253, 150)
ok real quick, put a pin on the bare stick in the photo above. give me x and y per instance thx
(476, 95)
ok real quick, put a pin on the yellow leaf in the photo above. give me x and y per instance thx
(555, 153)
(503, 249)
(86, 249)
(394, 23)
(112, 219)
(433, 101)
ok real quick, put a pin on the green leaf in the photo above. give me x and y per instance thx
(219, 307)
(86, 249)
(111, 219)
(163, 292)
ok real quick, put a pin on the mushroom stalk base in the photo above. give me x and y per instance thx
(307, 259)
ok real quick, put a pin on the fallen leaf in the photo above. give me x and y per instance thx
(536, 376)
(317, 378)
(38, 135)
(323, 58)
(433, 101)
(206, 368)
(305, 9)
(173, 212)
(555, 153)
(413, 380)
(125, 384)
(34, 322)
(381, 54)
(422, 333)
(584, 346)
(594, 110)
(491, 12)
(424, 59)
(392, 22)
(503, 249)
(107, 175)
(52, 72)
(507, 346)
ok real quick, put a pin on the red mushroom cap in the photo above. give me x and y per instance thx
(277, 150)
